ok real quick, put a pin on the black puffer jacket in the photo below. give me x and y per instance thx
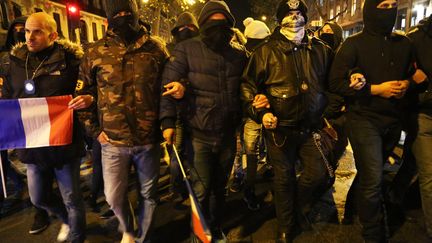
(277, 69)
(56, 76)
(211, 104)
(421, 37)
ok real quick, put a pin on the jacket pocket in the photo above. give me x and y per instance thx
(204, 114)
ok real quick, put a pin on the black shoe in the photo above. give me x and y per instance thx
(251, 200)
(237, 185)
(107, 214)
(92, 203)
(174, 197)
(304, 222)
(218, 236)
(40, 223)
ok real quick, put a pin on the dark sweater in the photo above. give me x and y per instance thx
(421, 37)
(379, 58)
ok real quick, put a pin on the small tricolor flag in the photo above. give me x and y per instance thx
(35, 122)
(199, 225)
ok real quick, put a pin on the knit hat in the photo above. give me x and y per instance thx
(113, 7)
(291, 5)
(185, 18)
(255, 29)
(215, 6)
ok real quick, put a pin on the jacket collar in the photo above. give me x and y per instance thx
(20, 51)
(112, 39)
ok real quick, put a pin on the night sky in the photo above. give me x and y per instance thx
(241, 10)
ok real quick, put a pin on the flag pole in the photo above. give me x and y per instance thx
(3, 178)
(199, 225)
(179, 161)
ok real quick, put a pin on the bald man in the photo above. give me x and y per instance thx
(42, 67)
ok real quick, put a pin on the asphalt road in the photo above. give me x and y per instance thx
(241, 225)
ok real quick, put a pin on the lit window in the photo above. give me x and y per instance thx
(353, 7)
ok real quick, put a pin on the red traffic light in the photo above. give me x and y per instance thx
(73, 9)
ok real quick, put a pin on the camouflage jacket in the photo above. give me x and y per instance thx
(125, 81)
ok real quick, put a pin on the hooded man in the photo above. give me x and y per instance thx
(122, 72)
(421, 37)
(331, 34)
(210, 108)
(291, 70)
(371, 70)
(16, 33)
(186, 27)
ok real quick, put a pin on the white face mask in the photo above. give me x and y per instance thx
(292, 27)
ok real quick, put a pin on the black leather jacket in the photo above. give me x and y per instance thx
(279, 69)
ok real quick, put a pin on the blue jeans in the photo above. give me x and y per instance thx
(423, 154)
(213, 159)
(371, 147)
(116, 163)
(68, 180)
(251, 136)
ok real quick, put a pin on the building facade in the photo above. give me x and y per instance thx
(410, 12)
(92, 27)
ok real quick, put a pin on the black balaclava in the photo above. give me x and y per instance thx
(13, 37)
(328, 38)
(185, 34)
(216, 34)
(127, 27)
(185, 19)
(378, 21)
(335, 39)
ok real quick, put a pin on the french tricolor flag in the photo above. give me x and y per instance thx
(35, 122)
(199, 224)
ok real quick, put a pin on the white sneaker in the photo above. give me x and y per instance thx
(63, 233)
(127, 238)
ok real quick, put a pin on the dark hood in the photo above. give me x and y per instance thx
(215, 6)
(337, 33)
(185, 18)
(425, 25)
(10, 41)
(378, 21)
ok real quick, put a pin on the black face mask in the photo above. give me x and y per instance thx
(185, 34)
(379, 21)
(19, 37)
(216, 34)
(126, 27)
(328, 39)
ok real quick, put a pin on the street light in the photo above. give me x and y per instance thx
(263, 18)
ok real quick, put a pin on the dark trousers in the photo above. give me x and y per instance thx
(213, 159)
(97, 177)
(371, 146)
(284, 147)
